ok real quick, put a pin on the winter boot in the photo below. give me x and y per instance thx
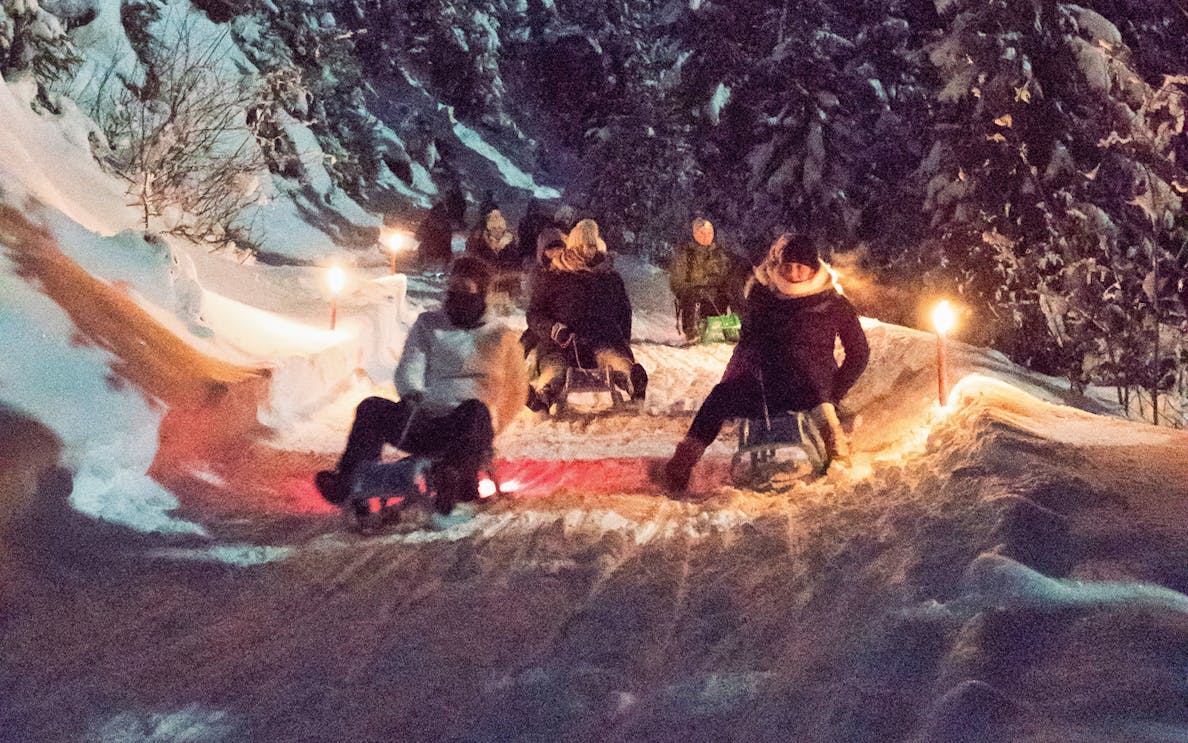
(536, 401)
(637, 385)
(332, 485)
(837, 444)
(446, 482)
(674, 474)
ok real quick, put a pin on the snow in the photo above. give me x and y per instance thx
(512, 174)
(718, 102)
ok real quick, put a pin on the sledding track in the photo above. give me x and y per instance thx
(912, 598)
(1003, 570)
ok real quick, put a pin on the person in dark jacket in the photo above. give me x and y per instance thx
(436, 231)
(792, 317)
(528, 230)
(581, 316)
(550, 243)
(495, 245)
(700, 279)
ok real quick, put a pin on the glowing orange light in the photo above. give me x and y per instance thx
(835, 277)
(397, 241)
(336, 278)
(944, 317)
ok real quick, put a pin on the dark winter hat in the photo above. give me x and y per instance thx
(472, 269)
(550, 237)
(796, 249)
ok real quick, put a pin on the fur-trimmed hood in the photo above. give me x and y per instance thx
(584, 248)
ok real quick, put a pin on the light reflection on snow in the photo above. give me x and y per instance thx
(191, 724)
(239, 555)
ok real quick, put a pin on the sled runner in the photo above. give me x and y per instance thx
(383, 490)
(787, 444)
(578, 380)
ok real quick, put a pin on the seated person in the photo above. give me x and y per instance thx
(494, 244)
(700, 275)
(549, 244)
(580, 315)
(460, 378)
(791, 319)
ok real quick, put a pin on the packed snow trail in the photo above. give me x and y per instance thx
(1002, 568)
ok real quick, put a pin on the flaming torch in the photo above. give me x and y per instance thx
(396, 242)
(944, 317)
(336, 278)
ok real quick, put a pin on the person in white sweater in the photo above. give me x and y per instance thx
(461, 378)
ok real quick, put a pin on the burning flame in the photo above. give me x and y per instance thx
(944, 317)
(337, 279)
(397, 241)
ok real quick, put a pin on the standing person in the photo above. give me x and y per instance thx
(460, 378)
(529, 228)
(700, 279)
(580, 315)
(436, 232)
(791, 319)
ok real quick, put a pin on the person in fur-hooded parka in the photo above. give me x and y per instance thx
(791, 320)
(494, 244)
(581, 316)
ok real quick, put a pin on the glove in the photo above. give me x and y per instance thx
(561, 335)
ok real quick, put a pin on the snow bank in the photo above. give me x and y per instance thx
(109, 430)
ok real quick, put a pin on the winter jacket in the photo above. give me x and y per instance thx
(592, 303)
(446, 365)
(787, 344)
(434, 235)
(696, 266)
(529, 230)
(507, 258)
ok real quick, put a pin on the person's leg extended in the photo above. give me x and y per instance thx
(460, 443)
(377, 422)
(548, 384)
(738, 398)
(625, 372)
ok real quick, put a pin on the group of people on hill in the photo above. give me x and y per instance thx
(461, 377)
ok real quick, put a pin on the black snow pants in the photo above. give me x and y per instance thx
(461, 439)
(742, 398)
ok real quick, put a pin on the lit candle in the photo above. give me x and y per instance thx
(943, 319)
(337, 280)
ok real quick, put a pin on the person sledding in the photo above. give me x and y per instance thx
(460, 378)
(580, 316)
(791, 319)
(700, 280)
(494, 244)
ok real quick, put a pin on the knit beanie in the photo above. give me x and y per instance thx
(790, 248)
